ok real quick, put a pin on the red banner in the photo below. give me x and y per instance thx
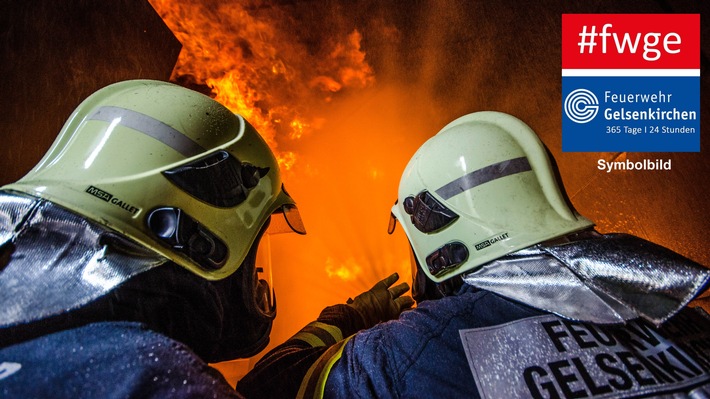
(630, 41)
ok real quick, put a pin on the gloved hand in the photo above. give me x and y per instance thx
(382, 303)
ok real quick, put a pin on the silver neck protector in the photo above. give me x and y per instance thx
(55, 260)
(602, 279)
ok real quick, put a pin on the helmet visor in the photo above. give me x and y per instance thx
(286, 219)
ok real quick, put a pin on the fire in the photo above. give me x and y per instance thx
(347, 271)
(261, 71)
(297, 129)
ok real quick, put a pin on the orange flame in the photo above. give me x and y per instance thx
(260, 71)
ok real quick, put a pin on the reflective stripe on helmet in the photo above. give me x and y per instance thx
(150, 127)
(484, 175)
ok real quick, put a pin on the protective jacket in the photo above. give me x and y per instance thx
(110, 360)
(482, 344)
(477, 344)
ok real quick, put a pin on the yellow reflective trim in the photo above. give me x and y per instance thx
(332, 330)
(309, 338)
(314, 334)
(313, 384)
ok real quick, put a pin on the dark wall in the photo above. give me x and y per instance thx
(53, 54)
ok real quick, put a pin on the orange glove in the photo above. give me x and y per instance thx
(382, 303)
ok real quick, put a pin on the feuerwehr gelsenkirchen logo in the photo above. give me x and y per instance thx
(581, 106)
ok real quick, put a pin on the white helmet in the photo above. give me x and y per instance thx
(481, 188)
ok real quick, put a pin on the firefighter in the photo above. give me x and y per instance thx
(127, 254)
(518, 296)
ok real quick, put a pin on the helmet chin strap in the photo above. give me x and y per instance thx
(257, 295)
